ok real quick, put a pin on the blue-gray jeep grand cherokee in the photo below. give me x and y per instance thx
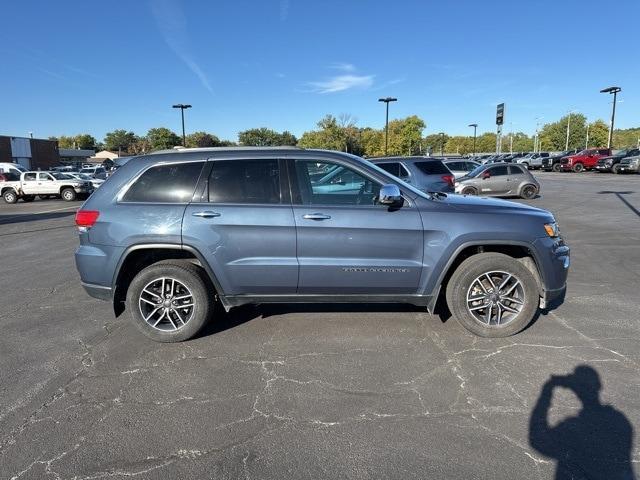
(171, 233)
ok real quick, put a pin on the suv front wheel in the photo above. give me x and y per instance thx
(492, 295)
(169, 301)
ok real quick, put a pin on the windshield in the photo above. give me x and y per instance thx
(61, 176)
(475, 171)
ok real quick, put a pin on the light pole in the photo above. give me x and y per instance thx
(182, 108)
(387, 100)
(441, 144)
(615, 91)
(566, 143)
(586, 142)
(475, 126)
(536, 139)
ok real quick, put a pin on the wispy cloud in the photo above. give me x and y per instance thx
(348, 79)
(172, 23)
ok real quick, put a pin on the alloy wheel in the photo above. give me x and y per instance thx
(495, 298)
(166, 304)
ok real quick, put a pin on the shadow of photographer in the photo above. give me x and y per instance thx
(596, 443)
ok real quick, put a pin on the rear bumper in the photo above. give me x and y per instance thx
(98, 291)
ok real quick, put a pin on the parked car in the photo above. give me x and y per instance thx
(425, 173)
(532, 160)
(94, 171)
(629, 165)
(584, 160)
(552, 162)
(499, 180)
(611, 163)
(461, 167)
(95, 182)
(45, 184)
(171, 233)
(11, 167)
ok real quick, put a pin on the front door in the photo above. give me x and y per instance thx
(347, 244)
(497, 183)
(46, 183)
(243, 226)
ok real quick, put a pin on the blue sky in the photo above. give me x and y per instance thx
(83, 66)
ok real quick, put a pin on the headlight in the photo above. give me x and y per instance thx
(552, 229)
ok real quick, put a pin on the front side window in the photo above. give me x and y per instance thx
(45, 177)
(339, 186)
(499, 171)
(173, 183)
(245, 181)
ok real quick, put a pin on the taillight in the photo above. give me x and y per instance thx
(450, 179)
(86, 218)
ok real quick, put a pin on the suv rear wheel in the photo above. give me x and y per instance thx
(169, 301)
(528, 191)
(493, 295)
(469, 191)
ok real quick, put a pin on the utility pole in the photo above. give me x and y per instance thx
(566, 143)
(475, 126)
(615, 91)
(441, 144)
(586, 143)
(387, 100)
(182, 108)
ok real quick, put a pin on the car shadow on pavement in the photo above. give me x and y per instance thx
(245, 313)
(622, 199)
(596, 443)
(33, 217)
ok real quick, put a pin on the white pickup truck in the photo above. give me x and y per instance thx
(43, 184)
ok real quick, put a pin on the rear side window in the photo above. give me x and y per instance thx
(245, 181)
(432, 167)
(173, 183)
(395, 169)
(30, 177)
(516, 170)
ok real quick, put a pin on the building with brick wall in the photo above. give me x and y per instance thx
(31, 153)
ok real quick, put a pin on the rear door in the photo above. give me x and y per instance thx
(517, 175)
(347, 244)
(243, 225)
(30, 183)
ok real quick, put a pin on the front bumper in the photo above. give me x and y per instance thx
(603, 168)
(624, 167)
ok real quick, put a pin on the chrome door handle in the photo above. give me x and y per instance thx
(316, 216)
(206, 214)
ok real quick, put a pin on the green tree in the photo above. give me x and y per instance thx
(85, 141)
(434, 143)
(202, 139)
(162, 138)
(372, 142)
(405, 136)
(120, 141)
(629, 137)
(330, 135)
(554, 135)
(265, 137)
(598, 134)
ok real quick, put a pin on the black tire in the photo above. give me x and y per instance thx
(193, 278)
(469, 191)
(528, 191)
(578, 168)
(616, 169)
(556, 167)
(68, 194)
(464, 278)
(28, 198)
(10, 196)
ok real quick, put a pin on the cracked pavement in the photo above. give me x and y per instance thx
(279, 391)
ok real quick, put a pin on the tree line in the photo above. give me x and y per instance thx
(405, 137)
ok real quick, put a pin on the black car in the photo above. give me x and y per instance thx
(552, 162)
(611, 164)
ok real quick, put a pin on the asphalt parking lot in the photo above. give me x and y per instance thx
(324, 391)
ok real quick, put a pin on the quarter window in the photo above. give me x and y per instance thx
(245, 181)
(323, 183)
(173, 183)
(433, 167)
(394, 168)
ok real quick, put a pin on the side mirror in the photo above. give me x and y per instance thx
(486, 175)
(390, 195)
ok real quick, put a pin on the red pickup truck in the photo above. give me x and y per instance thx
(584, 160)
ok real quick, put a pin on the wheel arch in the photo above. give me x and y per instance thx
(520, 250)
(137, 257)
